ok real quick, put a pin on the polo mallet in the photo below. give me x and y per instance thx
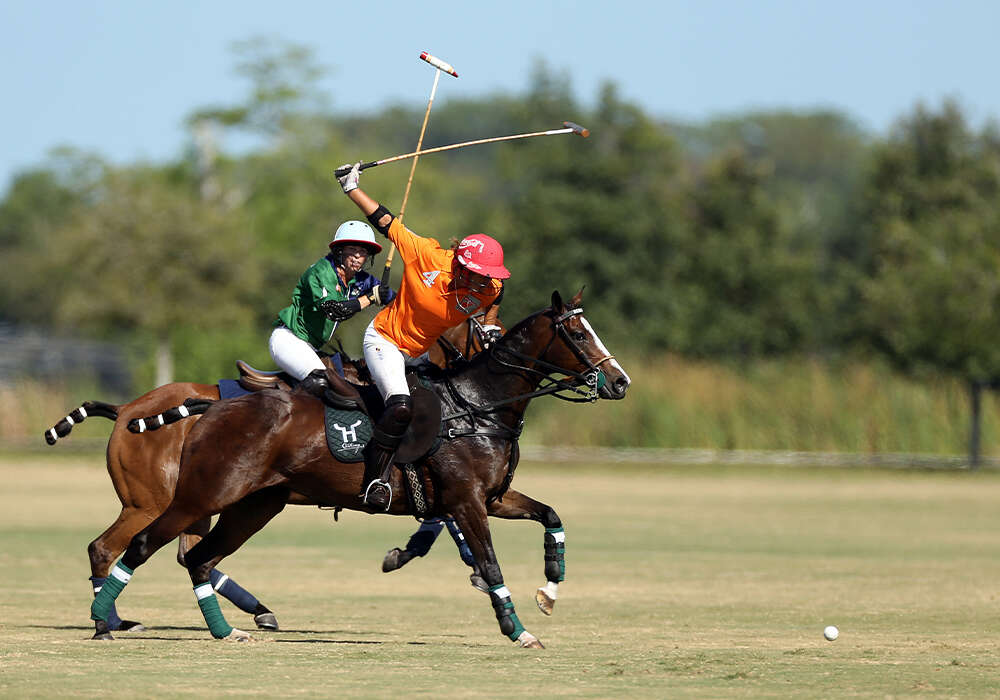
(568, 128)
(440, 66)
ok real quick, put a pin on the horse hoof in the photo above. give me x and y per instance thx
(395, 558)
(266, 621)
(545, 602)
(131, 626)
(238, 636)
(526, 640)
(479, 583)
(103, 636)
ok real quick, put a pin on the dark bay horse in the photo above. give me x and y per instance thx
(143, 468)
(245, 456)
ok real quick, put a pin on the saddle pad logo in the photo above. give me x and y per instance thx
(429, 277)
(467, 304)
(347, 433)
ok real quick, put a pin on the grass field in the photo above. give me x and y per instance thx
(681, 582)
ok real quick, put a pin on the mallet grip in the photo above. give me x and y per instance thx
(438, 63)
(344, 169)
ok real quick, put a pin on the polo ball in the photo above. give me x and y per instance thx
(831, 633)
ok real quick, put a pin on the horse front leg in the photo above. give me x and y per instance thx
(225, 586)
(236, 525)
(471, 518)
(517, 506)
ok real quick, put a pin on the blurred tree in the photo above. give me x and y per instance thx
(743, 285)
(932, 203)
(146, 258)
(39, 202)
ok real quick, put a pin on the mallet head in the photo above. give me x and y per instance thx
(577, 129)
(438, 63)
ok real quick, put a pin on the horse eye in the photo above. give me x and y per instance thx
(579, 335)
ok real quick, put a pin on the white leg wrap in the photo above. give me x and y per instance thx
(225, 577)
(203, 591)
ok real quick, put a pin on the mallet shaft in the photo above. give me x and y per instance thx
(569, 128)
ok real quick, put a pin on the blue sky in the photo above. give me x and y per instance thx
(118, 78)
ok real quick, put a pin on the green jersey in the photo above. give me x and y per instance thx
(318, 284)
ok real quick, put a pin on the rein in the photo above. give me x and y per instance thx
(590, 379)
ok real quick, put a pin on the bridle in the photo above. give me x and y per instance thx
(592, 377)
(585, 384)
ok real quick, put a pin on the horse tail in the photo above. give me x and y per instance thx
(78, 415)
(190, 407)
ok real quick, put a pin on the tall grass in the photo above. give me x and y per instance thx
(802, 404)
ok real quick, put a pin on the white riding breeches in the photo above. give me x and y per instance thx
(292, 354)
(386, 363)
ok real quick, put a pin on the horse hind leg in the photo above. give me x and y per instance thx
(102, 553)
(235, 526)
(222, 584)
(140, 548)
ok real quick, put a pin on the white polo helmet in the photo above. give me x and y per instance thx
(358, 233)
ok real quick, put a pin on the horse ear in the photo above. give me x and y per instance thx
(574, 303)
(557, 302)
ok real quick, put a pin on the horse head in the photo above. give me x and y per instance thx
(564, 342)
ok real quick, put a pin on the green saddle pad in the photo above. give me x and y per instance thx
(347, 433)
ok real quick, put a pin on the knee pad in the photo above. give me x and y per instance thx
(395, 419)
(398, 411)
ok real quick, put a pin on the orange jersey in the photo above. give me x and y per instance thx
(427, 304)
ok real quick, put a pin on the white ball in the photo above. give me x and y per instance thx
(831, 633)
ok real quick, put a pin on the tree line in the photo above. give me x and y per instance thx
(758, 235)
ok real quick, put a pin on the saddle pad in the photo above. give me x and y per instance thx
(230, 389)
(347, 433)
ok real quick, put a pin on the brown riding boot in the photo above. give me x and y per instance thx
(316, 384)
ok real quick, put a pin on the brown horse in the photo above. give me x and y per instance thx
(143, 468)
(248, 482)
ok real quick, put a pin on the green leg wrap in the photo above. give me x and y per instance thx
(209, 605)
(104, 601)
(555, 553)
(504, 608)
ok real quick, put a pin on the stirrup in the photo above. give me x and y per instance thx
(379, 482)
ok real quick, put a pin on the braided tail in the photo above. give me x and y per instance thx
(190, 407)
(78, 415)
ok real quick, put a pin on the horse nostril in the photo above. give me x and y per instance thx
(621, 384)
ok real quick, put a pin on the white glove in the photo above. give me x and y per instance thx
(350, 180)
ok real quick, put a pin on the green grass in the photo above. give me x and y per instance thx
(681, 582)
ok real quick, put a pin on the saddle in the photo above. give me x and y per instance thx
(343, 394)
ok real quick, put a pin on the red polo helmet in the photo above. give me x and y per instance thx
(483, 255)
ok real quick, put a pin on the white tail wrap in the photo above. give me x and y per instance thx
(142, 425)
(438, 63)
(52, 432)
(183, 410)
(83, 412)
